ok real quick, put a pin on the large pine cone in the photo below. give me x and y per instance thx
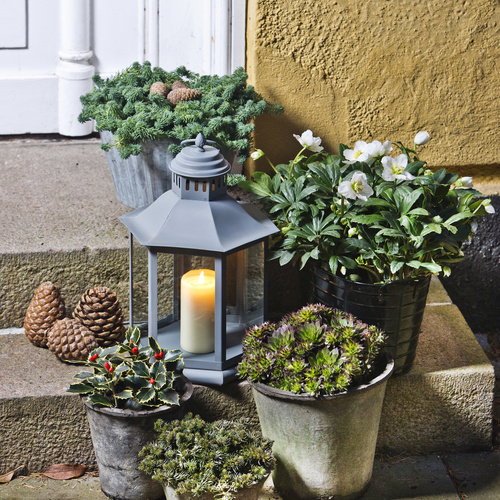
(69, 340)
(179, 85)
(45, 308)
(100, 311)
(159, 88)
(180, 94)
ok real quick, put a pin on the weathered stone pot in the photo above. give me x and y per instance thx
(118, 436)
(245, 494)
(324, 447)
(397, 308)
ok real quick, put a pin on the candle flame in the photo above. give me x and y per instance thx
(201, 279)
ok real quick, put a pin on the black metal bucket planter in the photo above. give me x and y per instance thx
(324, 446)
(118, 436)
(396, 307)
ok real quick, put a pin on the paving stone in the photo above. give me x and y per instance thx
(477, 474)
(410, 477)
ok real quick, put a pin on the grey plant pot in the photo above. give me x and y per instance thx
(251, 493)
(324, 447)
(118, 436)
(139, 180)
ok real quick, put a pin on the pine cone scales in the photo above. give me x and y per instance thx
(183, 94)
(99, 310)
(159, 88)
(69, 340)
(179, 85)
(45, 308)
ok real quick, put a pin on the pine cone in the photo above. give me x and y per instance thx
(99, 310)
(159, 88)
(69, 340)
(45, 308)
(178, 95)
(179, 85)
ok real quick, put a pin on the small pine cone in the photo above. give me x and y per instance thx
(45, 308)
(178, 95)
(159, 88)
(99, 310)
(69, 340)
(179, 85)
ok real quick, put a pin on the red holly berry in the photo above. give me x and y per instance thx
(135, 350)
(152, 380)
(94, 357)
(159, 355)
(108, 367)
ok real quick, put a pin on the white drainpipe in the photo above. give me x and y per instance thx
(73, 69)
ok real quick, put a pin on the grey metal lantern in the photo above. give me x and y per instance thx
(206, 264)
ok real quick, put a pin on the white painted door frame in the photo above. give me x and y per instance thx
(40, 93)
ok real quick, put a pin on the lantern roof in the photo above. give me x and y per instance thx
(197, 213)
(219, 226)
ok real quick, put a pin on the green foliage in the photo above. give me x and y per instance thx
(407, 227)
(196, 457)
(234, 179)
(316, 350)
(131, 376)
(122, 104)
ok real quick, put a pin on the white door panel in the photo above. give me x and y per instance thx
(50, 49)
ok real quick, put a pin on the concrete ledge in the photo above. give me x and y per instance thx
(444, 405)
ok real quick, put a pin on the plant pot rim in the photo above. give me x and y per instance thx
(267, 390)
(383, 284)
(126, 413)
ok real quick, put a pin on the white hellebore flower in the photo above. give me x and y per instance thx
(394, 168)
(490, 209)
(357, 187)
(361, 152)
(422, 138)
(258, 153)
(465, 182)
(377, 149)
(308, 141)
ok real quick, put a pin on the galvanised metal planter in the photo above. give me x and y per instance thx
(140, 180)
(397, 308)
(325, 446)
(118, 436)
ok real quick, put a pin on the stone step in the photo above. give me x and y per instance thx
(60, 223)
(443, 405)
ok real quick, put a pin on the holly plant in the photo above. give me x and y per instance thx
(130, 376)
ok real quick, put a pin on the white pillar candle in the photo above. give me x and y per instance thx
(198, 311)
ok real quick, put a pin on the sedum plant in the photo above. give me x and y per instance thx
(197, 457)
(224, 113)
(317, 351)
(369, 213)
(130, 376)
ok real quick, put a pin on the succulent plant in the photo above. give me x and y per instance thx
(197, 457)
(130, 376)
(316, 350)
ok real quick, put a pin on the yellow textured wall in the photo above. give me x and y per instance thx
(380, 69)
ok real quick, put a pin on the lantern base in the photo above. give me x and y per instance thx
(211, 377)
(207, 368)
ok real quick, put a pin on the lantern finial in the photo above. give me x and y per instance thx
(200, 142)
